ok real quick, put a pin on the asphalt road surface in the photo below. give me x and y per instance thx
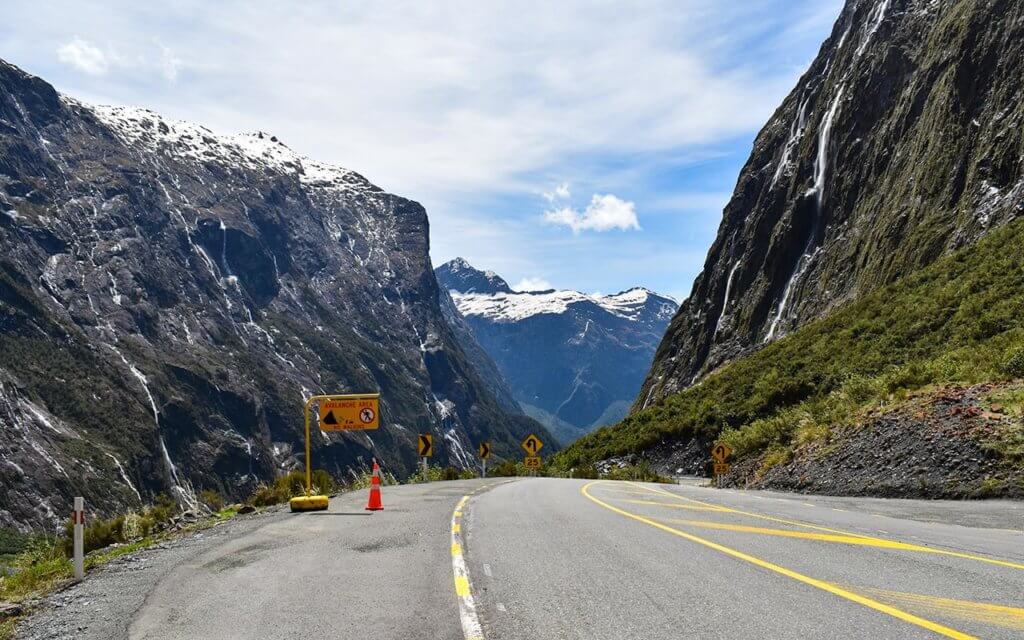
(508, 559)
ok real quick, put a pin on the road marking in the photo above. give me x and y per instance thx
(471, 628)
(804, 535)
(795, 523)
(916, 548)
(501, 608)
(487, 570)
(693, 507)
(808, 504)
(985, 613)
(764, 564)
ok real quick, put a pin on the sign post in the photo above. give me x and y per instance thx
(344, 412)
(78, 519)
(425, 449)
(720, 454)
(485, 452)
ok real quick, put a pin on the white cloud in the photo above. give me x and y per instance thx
(604, 213)
(170, 64)
(436, 99)
(532, 284)
(83, 56)
(561, 192)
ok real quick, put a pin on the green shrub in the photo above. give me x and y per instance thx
(291, 485)
(212, 499)
(641, 472)
(505, 468)
(12, 542)
(1014, 365)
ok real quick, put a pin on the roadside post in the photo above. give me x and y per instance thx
(485, 453)
(78, 519)
(720, 455)
(425, 449)
(343, 412)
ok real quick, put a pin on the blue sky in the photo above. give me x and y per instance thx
(589, 145)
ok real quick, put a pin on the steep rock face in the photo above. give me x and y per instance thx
(573, 361)
(903, 141)
(169, 297)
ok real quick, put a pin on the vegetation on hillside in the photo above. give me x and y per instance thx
(955, 321)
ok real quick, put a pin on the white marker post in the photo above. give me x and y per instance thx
(78, 518)
(426, 475)
(483, 474)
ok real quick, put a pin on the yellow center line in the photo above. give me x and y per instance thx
(985, 613)
(671, 505)
(803, 535)
(881, 542)
(764, 564)
(795, 523)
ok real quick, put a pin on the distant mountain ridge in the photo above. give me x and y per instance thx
(574, 361)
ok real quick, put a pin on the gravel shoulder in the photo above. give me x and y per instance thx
(102, 606)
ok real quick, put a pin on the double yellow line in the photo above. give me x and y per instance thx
(799, 577)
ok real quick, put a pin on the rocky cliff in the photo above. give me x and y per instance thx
(573, 361)
(169, 297)
(902, 142)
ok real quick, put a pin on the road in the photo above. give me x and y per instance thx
(546, 558)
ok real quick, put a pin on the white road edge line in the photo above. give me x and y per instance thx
(471, 628)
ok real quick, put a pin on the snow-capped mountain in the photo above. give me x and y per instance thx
(573, 360)
(170, 296)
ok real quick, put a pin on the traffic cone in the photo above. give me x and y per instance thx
(374, 503)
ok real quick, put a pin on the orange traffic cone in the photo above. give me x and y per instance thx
(374, 503)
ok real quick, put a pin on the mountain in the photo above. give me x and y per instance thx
(170, 296)
(901, 143)
(573, 361)
(865, 276)
(459, 275)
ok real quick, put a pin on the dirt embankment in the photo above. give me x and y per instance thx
(960, 442)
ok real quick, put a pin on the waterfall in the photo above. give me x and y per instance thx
(824, 135)
(725, 302)
(187, 494)
(876, 21)
(796, 133)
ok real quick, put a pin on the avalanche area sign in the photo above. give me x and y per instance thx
(350, 413)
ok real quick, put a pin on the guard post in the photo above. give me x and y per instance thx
(78, 520)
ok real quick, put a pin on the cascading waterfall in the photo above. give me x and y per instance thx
(186, 493)
(821, 162)
(796, 133)
(818, 191)
(725, 302)
(876, 21)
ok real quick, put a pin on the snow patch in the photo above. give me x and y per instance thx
(513, 307)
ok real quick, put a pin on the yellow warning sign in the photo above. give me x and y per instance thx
(721, 452)
(720, 468)
(485, 450)
(350, 413)
(532, 462)
(425, 445)
(532, 445)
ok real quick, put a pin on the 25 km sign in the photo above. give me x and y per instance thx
(349, 413)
